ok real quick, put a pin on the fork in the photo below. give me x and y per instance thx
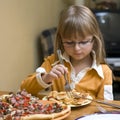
(101, 109)
(67, 85)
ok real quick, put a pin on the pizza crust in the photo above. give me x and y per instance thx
(47, 116)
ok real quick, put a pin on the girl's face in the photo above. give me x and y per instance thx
(78, 48)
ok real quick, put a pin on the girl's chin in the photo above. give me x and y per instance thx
(77, 58)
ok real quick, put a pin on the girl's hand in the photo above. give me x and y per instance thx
(56, 72)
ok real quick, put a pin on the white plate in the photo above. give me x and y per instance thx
(85, 102)
(101, 117)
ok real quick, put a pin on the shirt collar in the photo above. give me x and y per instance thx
(94, 66)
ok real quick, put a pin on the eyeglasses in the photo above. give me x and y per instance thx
(81, 44)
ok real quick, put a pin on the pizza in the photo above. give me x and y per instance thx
(74, 101)
(24, 106)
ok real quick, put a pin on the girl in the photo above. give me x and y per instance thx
(80, 40)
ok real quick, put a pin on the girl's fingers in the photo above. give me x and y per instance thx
(58, 70)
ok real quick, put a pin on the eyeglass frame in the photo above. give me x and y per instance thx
(73, 44)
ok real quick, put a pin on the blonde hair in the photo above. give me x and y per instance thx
(79, 20)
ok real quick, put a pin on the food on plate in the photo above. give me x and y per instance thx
(24, 106)
(63, 98)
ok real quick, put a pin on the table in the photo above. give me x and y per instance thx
(4, 92)
(83, 110)
(89, 109)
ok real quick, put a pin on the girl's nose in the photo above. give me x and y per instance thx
(77, 46)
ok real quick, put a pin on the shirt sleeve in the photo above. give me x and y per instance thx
(41, 71)
(106, 89)
(108, 92)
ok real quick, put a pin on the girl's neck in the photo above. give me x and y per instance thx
(79, 65)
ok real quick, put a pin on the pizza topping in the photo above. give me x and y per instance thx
(22, 104)
(3, 108)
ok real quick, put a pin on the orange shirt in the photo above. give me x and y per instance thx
(91, 83)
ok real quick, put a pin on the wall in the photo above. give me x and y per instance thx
(20, 23)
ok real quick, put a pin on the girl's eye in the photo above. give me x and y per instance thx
(70, 43)
(83, 42)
